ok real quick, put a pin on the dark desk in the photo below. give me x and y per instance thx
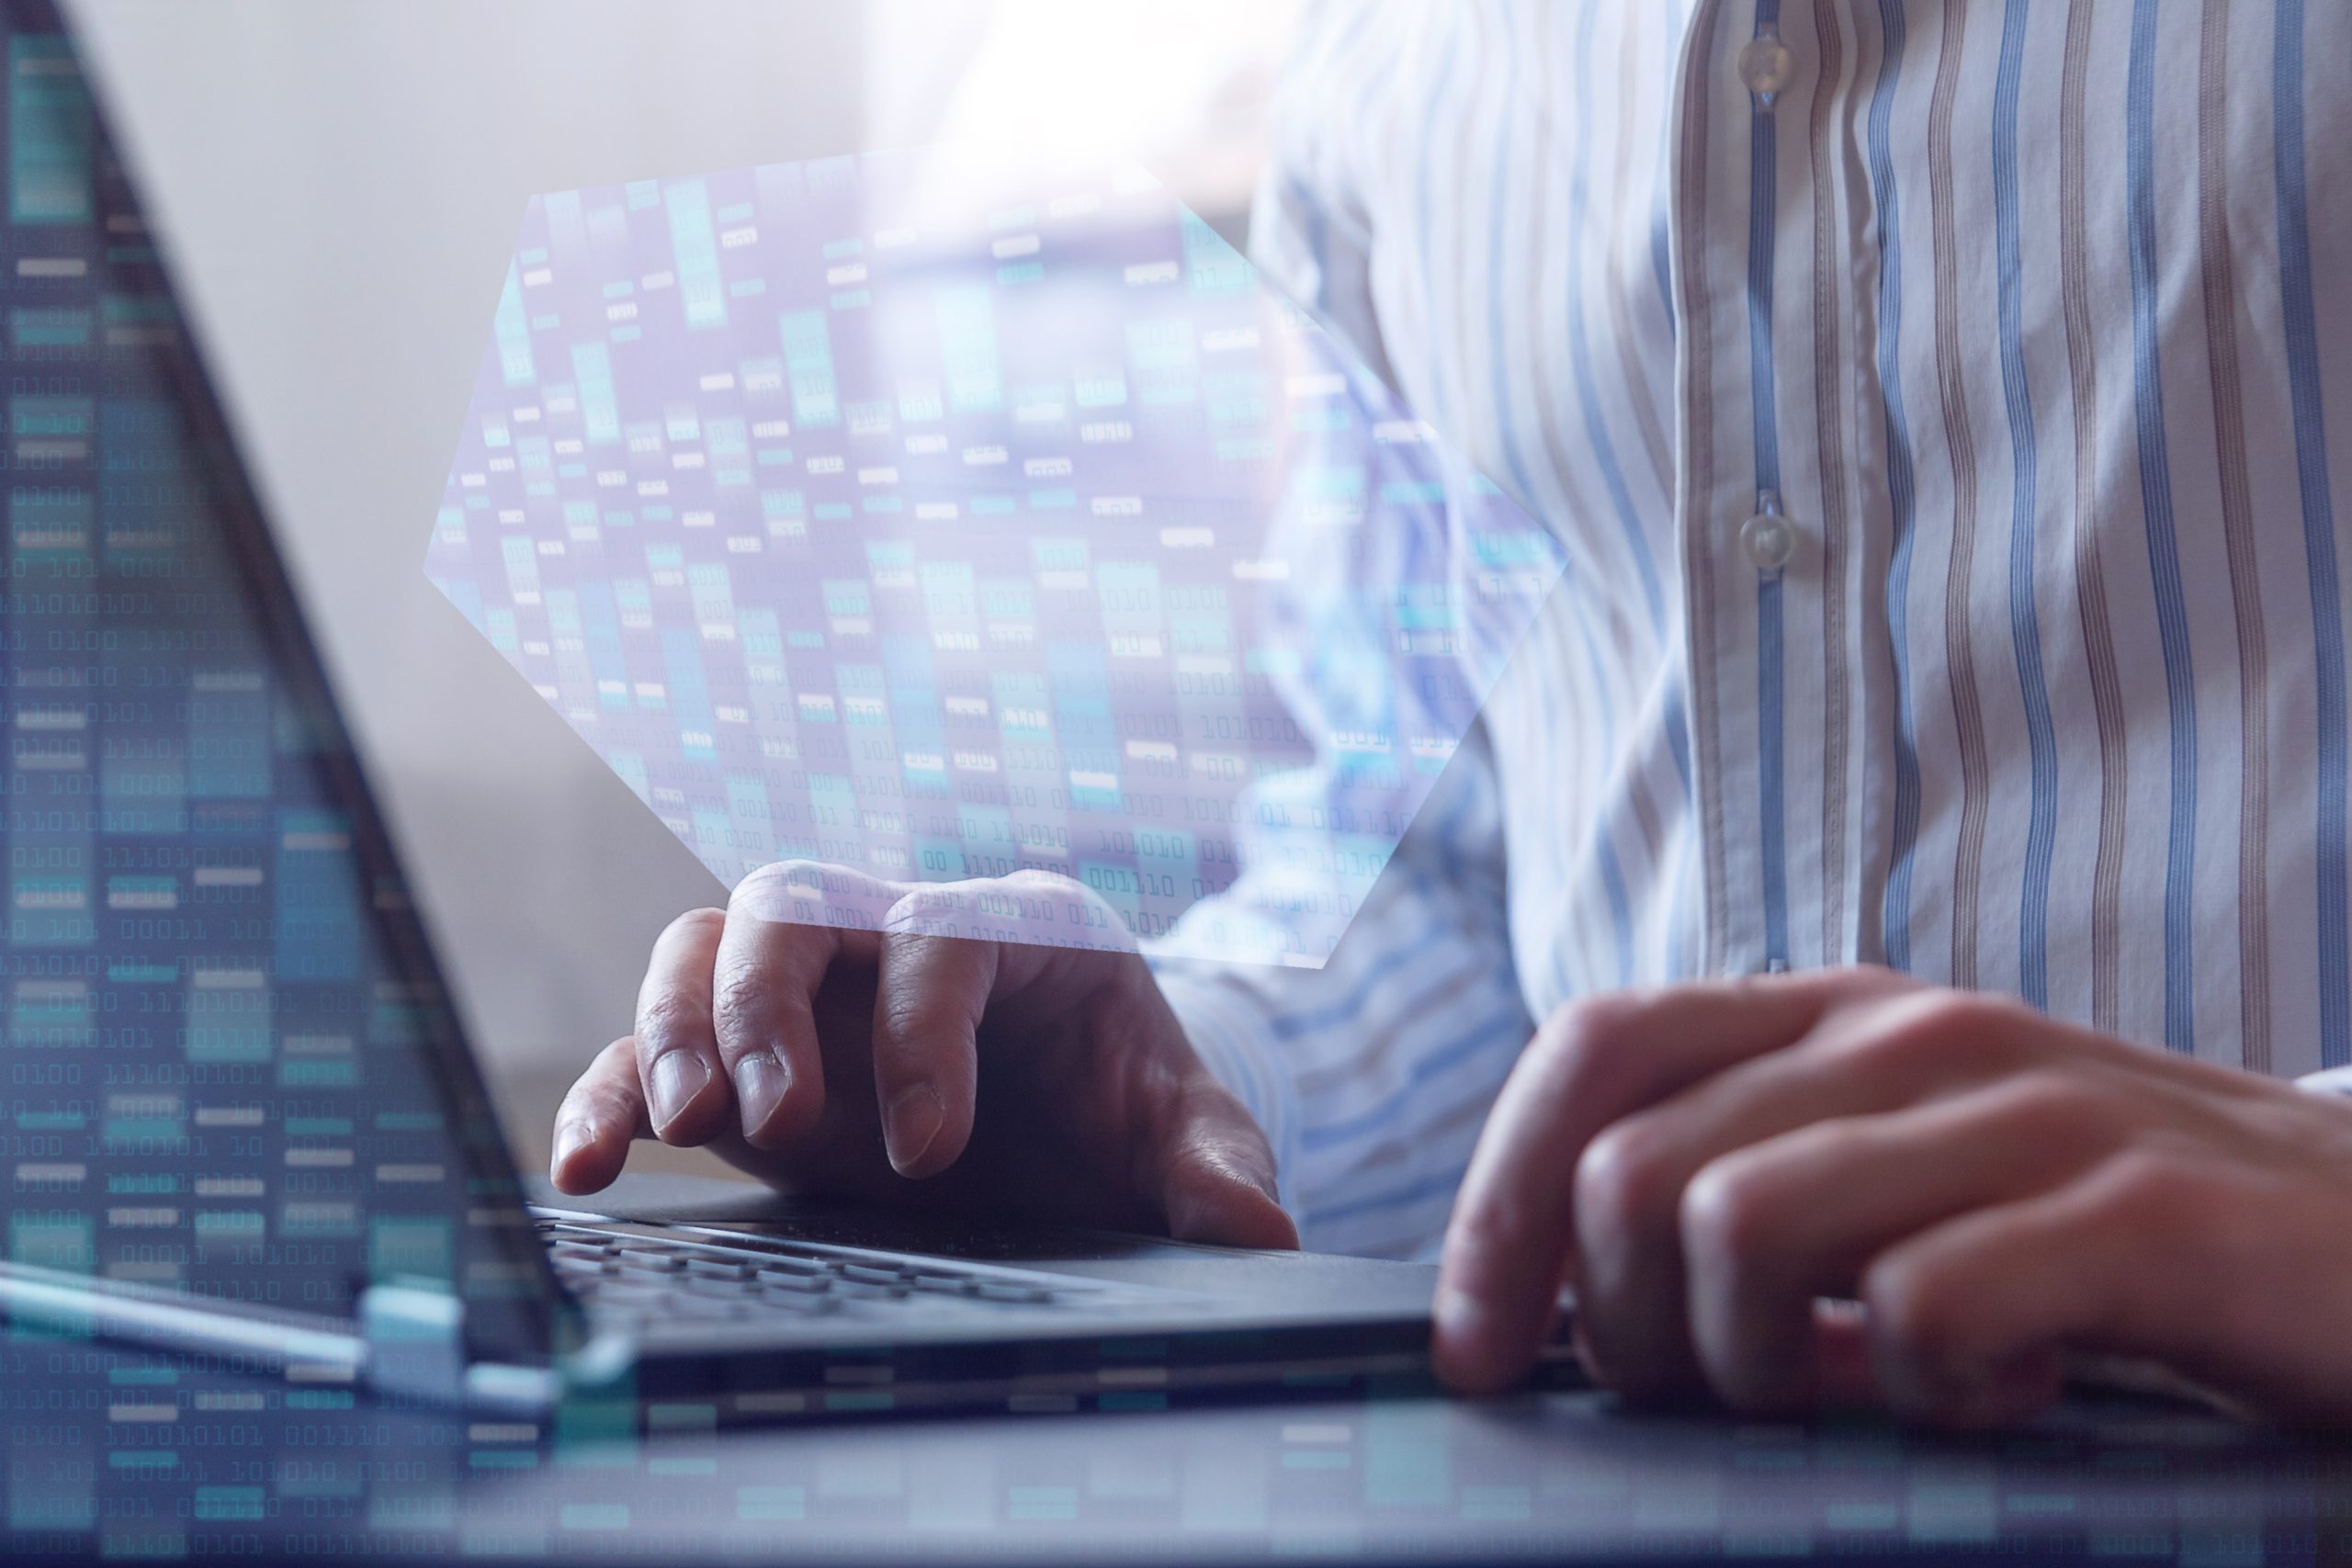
(125, 1454)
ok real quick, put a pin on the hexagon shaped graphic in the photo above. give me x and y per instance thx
(955, 557)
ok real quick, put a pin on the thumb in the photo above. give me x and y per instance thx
(1216, 1172)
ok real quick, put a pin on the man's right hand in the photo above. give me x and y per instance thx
(984, 1076)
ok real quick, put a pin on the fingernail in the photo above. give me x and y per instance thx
(760, 1083)
(677, 1078)
(911, 1125)
(569, 1139)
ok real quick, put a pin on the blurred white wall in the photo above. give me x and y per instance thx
(339, 185)
(1056, 86)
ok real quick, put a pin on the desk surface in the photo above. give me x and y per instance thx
(122, 1454)
(126, 1455)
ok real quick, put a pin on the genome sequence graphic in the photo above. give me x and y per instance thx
(889, 536)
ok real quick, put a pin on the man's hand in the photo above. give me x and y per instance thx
(1710, 1166)
(978, 1075)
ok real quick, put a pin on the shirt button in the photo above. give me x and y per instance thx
(1765, 65)
(1771, 541)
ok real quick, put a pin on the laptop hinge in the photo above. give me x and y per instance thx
(416, 1346)
(416, 1341)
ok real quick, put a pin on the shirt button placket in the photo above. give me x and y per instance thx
(1768, 537)
(1765, 65)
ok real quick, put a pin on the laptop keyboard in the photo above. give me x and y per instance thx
(628, 1275)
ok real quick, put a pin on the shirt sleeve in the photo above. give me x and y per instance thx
(1372, 1074)
(2334, 1080)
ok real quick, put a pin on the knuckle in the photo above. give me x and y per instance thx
(1037, 883)
(807, 892)
(1733, 1216)
(1970, 1019)
(1624, 1181)
(613, 1101)
(2058, 1106)
(739, 999)
(694, 924)
(2147, 1186)
(1927, 1031)
(1598, 1019)
(665, 1020)
(774, 873)
(923, 1016)
(771, 886)
(1868, 980)
(611, 1075)
(934, 910)
(1037, 879)
(1586, 1037)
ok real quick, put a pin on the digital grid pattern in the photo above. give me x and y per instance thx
(922, 537)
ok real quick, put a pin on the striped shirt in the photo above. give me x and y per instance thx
(1943, 406)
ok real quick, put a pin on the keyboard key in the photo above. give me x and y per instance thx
(621, 1274)
(1000, 1291)
(865, 1274)
(651, 1258)
(943, 1283)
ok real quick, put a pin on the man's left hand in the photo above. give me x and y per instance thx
(1713, 1168)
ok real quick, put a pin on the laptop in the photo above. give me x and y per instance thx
(242, 1115)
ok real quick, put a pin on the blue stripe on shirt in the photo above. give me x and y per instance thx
(1901, 485)
(2025, 629)
(1421, 1192)
(1504, 1025)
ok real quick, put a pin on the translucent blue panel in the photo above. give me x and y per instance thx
(892, 538)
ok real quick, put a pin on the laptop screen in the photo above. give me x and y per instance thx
(228, 1071)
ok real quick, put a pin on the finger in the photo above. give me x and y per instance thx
(677, 1051)
(1215, 1171)
(599, 1115)
(1630, 1193)
(1512, 1230)
(1772, 1227)
(930, 993)
(1969, 1321)
(933, 989)
(772, 958)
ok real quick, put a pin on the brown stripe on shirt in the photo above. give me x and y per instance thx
(1959, 651)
